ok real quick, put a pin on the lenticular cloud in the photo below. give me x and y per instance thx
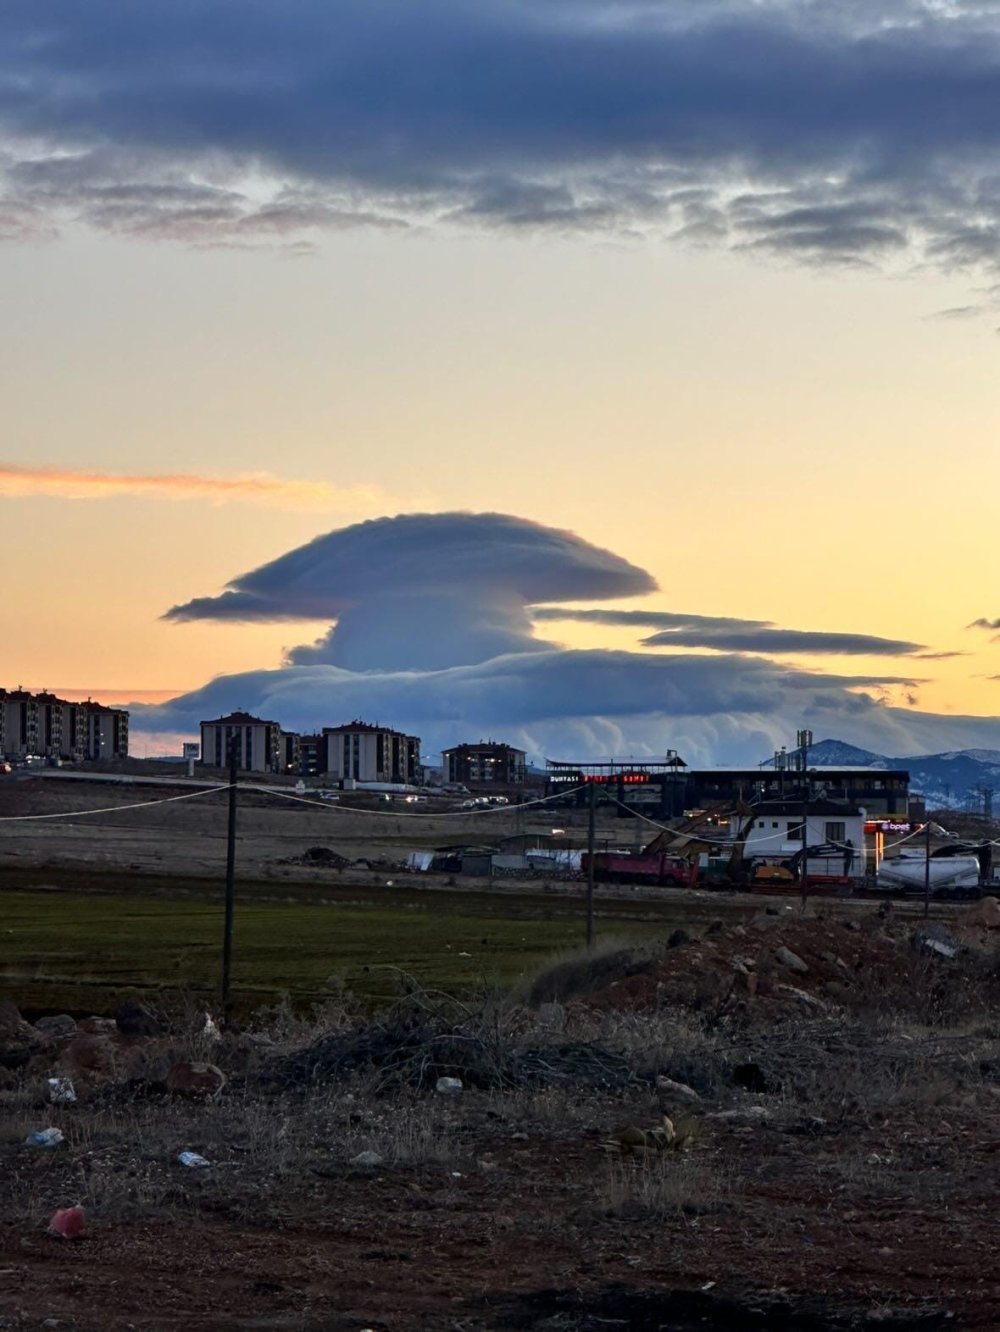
(423, 591)
(432, 633)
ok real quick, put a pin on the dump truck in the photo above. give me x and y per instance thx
(657, 867)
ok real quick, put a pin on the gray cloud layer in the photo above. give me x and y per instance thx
(586, 703)
(835, 130)
(728, 634)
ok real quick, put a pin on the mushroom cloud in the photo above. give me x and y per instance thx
(423, 591)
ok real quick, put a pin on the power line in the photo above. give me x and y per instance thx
(109, 809)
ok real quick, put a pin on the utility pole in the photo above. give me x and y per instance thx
(227, 935)
(804, 740)
(591, 819)
(927, 868)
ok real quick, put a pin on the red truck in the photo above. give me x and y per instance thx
(648, 867)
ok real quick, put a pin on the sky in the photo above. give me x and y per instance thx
(715, 288)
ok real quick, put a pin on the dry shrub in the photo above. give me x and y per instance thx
(664, 1185)
(571, 975)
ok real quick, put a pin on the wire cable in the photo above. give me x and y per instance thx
(331, 808)
(110, 809)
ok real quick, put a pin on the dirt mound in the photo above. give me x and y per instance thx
(775, 966)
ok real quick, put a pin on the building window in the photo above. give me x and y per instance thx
(836, 832)
(793, 832)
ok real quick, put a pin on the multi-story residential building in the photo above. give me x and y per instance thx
(21, 723)
(107, 731)
(312, 751)
(291, 756)
(258, 742)
(365, 753)
(487, 764)
(52, 727)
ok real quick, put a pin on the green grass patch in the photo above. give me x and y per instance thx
(80, 940)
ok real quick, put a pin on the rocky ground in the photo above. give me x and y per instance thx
(840, 1077)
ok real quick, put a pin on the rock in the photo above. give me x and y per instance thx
(98, 1026)
(448, 1086)
(837, 991)
(749, 1114)
(851, 925)
(985, 913)
(92, 1057)
(803, 996)
(370, 1160)
(56, 1025)
(681, 1089)
(678, 939)
(19, 1040)
(189, 1077)
(135, 1019)
(715, 929)
(61, 1091)
(791, 960)
(10, 1017)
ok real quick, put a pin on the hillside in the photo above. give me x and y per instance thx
(953, 779)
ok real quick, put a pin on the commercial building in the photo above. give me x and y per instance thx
(258, 742)
(776, 827)
(362, 752)
(50, 727)
(486, 766)
(670, 788)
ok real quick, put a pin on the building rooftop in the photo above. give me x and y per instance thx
(239, 719)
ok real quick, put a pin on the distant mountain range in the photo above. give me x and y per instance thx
(954, 780)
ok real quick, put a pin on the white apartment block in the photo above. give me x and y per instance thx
(258, 743)
(362, 752)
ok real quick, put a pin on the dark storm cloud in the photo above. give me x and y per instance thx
(826, 132)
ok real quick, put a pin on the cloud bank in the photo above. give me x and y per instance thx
(819, 130)
(433, 635)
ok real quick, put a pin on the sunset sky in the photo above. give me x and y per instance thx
(715, 287)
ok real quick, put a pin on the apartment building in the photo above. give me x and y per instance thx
(487, 765)
(258, 742)
(50, 727)
(363, 752)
